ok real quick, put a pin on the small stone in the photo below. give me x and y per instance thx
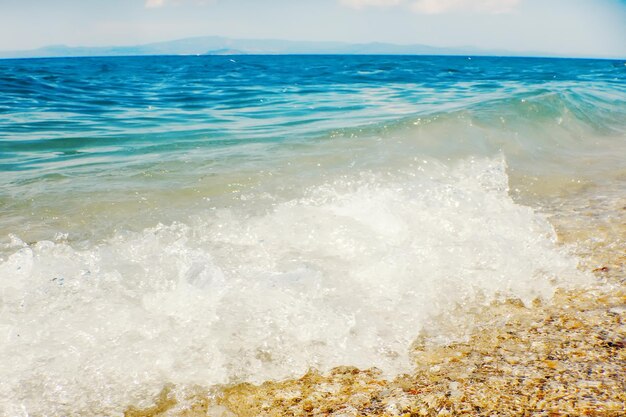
(618, 310)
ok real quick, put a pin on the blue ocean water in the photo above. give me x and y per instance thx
(72, 125)
(63, 115)
(210, 219)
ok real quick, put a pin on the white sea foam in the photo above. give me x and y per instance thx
(346, 274)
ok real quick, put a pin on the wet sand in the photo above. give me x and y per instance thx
(562, 358)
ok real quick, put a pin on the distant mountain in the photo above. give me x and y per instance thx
(216, 45)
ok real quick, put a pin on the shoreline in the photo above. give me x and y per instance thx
(564, 357)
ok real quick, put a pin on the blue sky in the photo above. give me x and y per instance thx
(570, 27)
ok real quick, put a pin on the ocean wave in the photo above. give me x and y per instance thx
(347, 273)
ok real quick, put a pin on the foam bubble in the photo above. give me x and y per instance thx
(346, 274)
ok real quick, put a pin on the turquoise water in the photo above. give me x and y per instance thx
(203, 220)
(110, 129)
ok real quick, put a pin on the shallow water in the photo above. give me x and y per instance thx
(212, 219)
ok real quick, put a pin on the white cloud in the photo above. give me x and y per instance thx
(154, 4)
(151, 4)
(447, 6)
(439, 6)
(359, 4)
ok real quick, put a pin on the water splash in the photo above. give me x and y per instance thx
(345, 274)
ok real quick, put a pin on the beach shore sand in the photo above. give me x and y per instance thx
(562, 358)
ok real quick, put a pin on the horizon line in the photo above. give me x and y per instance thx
(312, 54)
(465, 50)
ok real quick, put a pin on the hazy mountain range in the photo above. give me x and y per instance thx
(216, 45)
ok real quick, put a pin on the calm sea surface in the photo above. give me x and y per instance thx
(204, 220)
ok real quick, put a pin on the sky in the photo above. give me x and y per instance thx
(563, 27)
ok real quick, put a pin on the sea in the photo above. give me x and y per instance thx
(207, 220)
